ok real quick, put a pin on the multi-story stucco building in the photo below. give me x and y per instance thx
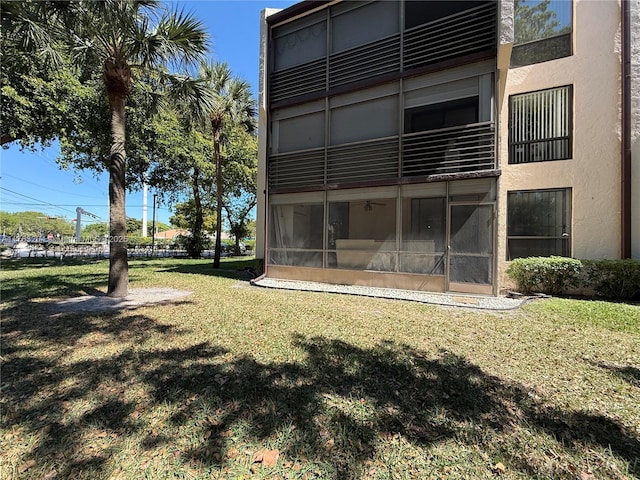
(423, 145)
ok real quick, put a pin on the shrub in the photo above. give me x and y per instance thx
(551, 275)
(134, 241)
(614, 279)
(195, 244)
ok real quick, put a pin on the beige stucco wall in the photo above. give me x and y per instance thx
(594, 171)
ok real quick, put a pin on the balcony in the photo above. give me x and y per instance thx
(458, 149)
(470, 32)
(464, 33)
(467, 148)
(297, 169)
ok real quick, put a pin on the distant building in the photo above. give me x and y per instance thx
(172, 234)
(423, 145)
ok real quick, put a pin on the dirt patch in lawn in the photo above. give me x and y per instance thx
(138, 297)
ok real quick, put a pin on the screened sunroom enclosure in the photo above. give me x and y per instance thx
(437, 236)
(380, 164)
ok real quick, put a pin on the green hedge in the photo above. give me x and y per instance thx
(551, 275)
(140, 242)
(613, 279)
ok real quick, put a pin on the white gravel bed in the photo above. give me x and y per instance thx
(447, 299)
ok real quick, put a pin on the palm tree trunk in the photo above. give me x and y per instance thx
(196, 234)
(118, 264)
(218, 160)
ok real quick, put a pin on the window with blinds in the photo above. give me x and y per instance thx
(540, 125)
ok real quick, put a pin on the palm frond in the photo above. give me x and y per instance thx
(28, 27)
(191, 97)
(217, 75)
(178, 37)
(243, 108)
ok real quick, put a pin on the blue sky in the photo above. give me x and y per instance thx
(33, 181)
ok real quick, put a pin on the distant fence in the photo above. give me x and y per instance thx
(72, 250)
(95, 250)
(55, 250)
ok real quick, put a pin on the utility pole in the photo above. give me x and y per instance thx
(79, 212)
(153, 228)
(145, 189)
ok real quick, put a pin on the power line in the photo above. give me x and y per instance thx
(42, 202)
(75, 205)
(48, 188)
(52, 162)
(59, 205)
(36, 199)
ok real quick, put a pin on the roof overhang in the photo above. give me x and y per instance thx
(296, 10)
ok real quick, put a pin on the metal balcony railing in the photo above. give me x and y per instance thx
(300, 80)
(296, 169)
(464, 33)
(365, 61)
(363, 161)
(464, 148)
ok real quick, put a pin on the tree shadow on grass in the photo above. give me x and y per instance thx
(41, 388)
(17, 264)
(47, 285)
(336, 410)
(628, 373)
(18, 291)
(380, 393)
(229, 268)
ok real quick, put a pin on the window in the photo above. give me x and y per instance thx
(298, 128)
(540, 125)
(364, 114)
(542, 31)
(351, 23)
(419, 13)
(300, 42)
(538, 223)
(300, 133)
(441, 115)
(458, 101)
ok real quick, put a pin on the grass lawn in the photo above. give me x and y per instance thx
(241, 382)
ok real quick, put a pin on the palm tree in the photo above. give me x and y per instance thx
(232, 105)
(127, 38)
